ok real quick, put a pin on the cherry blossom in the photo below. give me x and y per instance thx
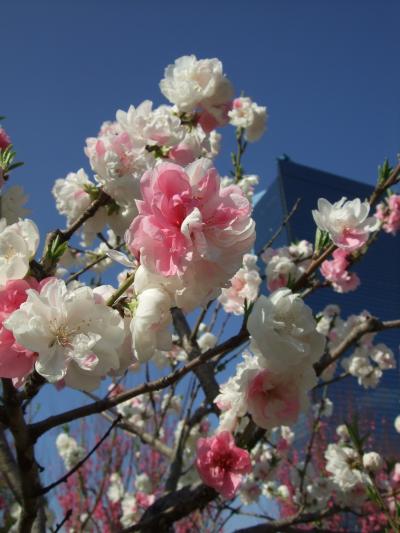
(191, 83)
(188, 223)
(18, 245)
(248, 115)
(221, 464)
(344, 465)
(283, 328)
(244, 286)
(149, 326)
(336, 272)
(72, 334)
(4, 139)
(388, 213)
(346, 221)
(15, 360)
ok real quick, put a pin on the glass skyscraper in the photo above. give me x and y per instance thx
(379, 292)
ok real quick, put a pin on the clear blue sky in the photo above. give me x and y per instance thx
(328, 72)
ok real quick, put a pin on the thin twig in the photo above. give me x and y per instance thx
(279, 230)
(63, 521)
(78, 465)
(37, 429)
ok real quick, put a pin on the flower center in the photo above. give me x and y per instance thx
(224, 462)
(62, 335)
(9, 252)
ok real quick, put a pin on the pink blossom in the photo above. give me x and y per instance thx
(182, 154)
(335, 272)
(352, 239)
(144, 500)
(221, 464)
(215, 116)
(4, 139)
(282, 446)
(15, 360)
(185, 216)
(244, 286)
(274, 399)
(389, 214)
(396, 473)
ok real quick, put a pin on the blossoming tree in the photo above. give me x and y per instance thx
(200, 418)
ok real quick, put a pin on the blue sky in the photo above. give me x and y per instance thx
(328, 72)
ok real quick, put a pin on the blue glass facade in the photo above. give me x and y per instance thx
(379, 292)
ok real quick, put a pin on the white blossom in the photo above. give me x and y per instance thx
(70, 451)
(250, 491)
(383, 356)
(190, 82)
(323, 408)
(130, 510)
(343, 432)
(149, 326)
(115, 490)
(344, 465)
(75, 337)
(143, 483)
(18, 245)
(206, 341)
(71, 194)
(372, 461)
(283, 328)
(244, 287)
(12, 202)
(347, 222)
(250, 116)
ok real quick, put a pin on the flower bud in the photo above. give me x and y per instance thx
(372, 461)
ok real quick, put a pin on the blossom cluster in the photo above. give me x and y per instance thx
(285, 265)
(143, 136)
(184, 235)
(272, 382)
(388, 213)
(186, 231)
(367, 361)
(243, 288)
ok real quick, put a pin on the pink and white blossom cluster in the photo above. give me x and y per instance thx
(388, 213)
(244, 287)
(335, 271)
(75, 335)
(200, 85)
(272, 383)
(346, 221)
(249, 116)
(367, 361)
(18, 245)
(285, 265)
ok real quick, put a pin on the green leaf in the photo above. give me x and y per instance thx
(92, 190)
(384, 172)
(57, 249)
(15, 165)
(322, 240)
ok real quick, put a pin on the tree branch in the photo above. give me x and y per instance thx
(205, 372)
(8, 467)
(27, 466)
(78, 465)
(37, 429)
(47, 264)
(370, 325)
